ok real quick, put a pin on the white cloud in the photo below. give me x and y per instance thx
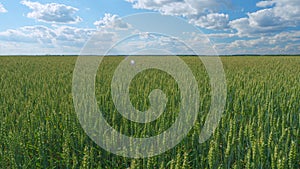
(178, 7)
(152, 44)
(100, 42)
(29, 34)
(288, 10)
(57, 40)
(148, 43)
(264, 4)
(2, 9)
(282, 14)
(265, 18)
(221, 35)
(282, 43)
(169, 7)
(260, 22)
(63, 36)
(200, 12)
(212, 21)
(73, 34)
(199, 43)
(110, 21)
(52, 12)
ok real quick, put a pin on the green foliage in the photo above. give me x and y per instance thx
(259, 129)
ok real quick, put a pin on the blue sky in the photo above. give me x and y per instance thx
(233, 27)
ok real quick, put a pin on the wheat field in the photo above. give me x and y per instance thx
(259, 128)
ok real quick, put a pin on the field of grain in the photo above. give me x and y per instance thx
(260, 127)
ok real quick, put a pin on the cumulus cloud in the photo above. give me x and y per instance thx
(52, 12)
(42, 40)
(260, 22)
(69, 34)
(179, 7)
(56, 39)
(199, 12)
(281, 43)
(288, 10)
(264, 4)
(167, 7)
(47, 36)
(280, 15)
(265, 18)
(29, 34)
(2, 9)
(155, 44)
(212, 21)
(111, 22)
(221, 35)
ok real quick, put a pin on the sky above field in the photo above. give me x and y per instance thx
(233, 27)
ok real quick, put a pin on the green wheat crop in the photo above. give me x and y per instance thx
(259, 127)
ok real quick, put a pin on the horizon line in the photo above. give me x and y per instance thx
(182, 55)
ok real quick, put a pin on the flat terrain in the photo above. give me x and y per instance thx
(260, 127)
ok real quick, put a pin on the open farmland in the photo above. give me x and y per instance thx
(260, 127)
